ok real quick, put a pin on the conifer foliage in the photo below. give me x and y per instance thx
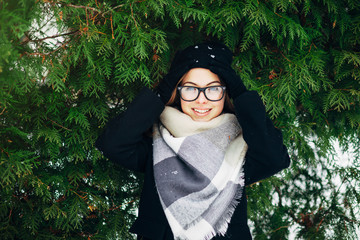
(68, 66)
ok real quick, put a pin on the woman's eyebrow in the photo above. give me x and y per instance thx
(190, 83)
(216, 81)
(206, 84)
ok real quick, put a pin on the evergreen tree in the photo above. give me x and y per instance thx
(68, 66)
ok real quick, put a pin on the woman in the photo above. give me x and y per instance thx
(200, 155)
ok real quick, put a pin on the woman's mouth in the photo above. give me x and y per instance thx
(201, 111)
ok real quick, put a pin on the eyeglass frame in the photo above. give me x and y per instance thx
(201, 90)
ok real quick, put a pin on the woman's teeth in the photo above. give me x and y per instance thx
(201, 111)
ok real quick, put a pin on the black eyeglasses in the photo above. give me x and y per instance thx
(190, 93)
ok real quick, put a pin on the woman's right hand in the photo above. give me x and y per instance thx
(169, 82)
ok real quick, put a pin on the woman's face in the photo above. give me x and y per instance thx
(201, 109)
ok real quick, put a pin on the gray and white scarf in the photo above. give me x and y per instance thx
(198, 169)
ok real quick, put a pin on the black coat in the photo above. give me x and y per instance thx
(124, 141)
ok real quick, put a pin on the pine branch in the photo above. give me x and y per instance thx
(59, 125)
(48, 53)
(95, 9)
(83, 7)
(54, 36)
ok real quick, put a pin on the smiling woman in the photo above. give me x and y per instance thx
(203, 150)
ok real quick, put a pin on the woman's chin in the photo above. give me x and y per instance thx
(205, 118)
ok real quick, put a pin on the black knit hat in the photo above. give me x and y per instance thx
(203, 54)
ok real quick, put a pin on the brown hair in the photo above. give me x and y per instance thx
(174, 100)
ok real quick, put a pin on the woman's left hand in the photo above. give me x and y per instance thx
(233, 82)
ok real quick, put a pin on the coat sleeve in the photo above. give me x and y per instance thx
(266, 153)
(123, 140)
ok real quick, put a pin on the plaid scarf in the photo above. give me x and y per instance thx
(198, 169)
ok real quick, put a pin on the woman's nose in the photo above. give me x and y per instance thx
(201, 98)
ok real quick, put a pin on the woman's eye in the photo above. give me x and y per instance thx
(214, 89)
(189, 89)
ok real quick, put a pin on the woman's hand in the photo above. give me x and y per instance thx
(233, 82)
(169, 82)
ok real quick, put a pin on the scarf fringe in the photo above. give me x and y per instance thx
(223, 223)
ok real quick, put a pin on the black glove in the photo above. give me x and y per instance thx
(234, 84)
(168, 83)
